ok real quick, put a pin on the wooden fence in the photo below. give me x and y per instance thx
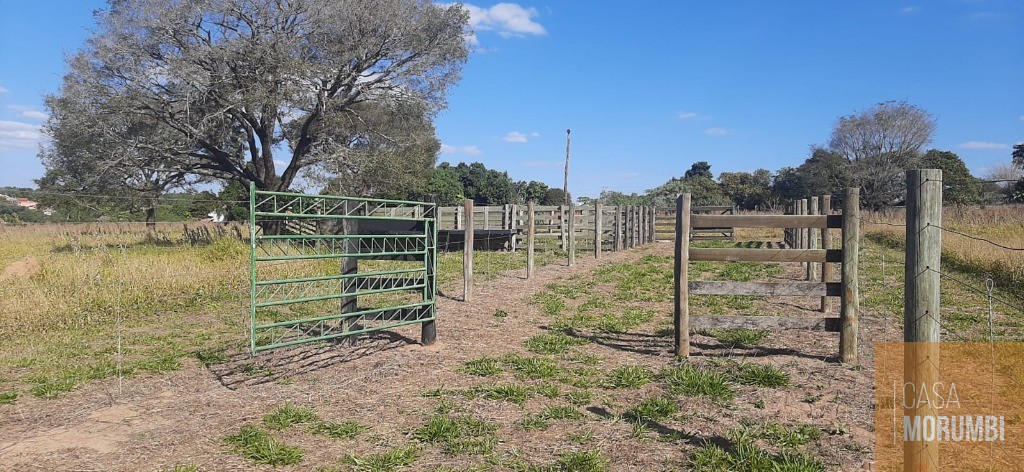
(821, 257)
(617, 226)
(666, 224)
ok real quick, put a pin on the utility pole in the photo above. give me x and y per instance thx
(565, 184)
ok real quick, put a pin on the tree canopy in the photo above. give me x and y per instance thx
(224, 88)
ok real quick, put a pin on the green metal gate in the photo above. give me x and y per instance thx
(324, 267)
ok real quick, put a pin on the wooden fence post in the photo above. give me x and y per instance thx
(654, 224)
(642, 229)
(572, 234)
(921, 305)
(850, 297)
(564, 243)
(812, 241)
(531, 228)
(467, 253)
(628, 230)
(681, 318)
(802, 210)
(827, 268)
(618, 228)
(598, 216)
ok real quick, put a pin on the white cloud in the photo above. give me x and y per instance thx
(537, 135)
(1021, 117)
(17, 135)
(686, 115)
(3, 90)
(718, 131)
(515, 137)
(983, 145)
(911, 9)
(34, 115)
(507, 19)
(471, 150)
(542, 164)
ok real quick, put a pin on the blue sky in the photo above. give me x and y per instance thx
(649, 88)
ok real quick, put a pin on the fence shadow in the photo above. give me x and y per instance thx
(241, 370)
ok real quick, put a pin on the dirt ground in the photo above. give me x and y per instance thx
(157, 422)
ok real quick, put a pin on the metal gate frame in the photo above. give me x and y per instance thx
(289, 228)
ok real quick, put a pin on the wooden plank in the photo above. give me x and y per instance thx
(765, 255)
(766, 289)
(766, 221)
(681, 313)
(706, 322)
(597, 230)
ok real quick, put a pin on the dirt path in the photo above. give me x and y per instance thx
(157, 422)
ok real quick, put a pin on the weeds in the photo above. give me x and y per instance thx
(8, 398)
(762, 375)
(552, 343)
(652, 409)
(288, 415)
(390, 461)
(631, 376)
(343, 430)
(482, 367)
(691, 381)
(259, 447)
(458, 435)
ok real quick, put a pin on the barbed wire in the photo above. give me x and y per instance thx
(971, 288)
(881, 222)
(977, 238)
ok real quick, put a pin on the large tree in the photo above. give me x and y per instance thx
(960, 186)
(233, 85)
(881, 143)
(748, 191)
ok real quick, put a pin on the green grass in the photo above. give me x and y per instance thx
(691, 381)
(531, 367)
(287, 416)
(579, 397)
(787, 437)
(630, 376)
(390, 461)
(652, 409)
(582, 461)
(762, 375)
(458, 435)
(257, 446)
(511, 393)
(744, 455)
(482, 367)
(8, 398)
(552, 343)
(50, 389)
(738, 337)
(334, 430)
